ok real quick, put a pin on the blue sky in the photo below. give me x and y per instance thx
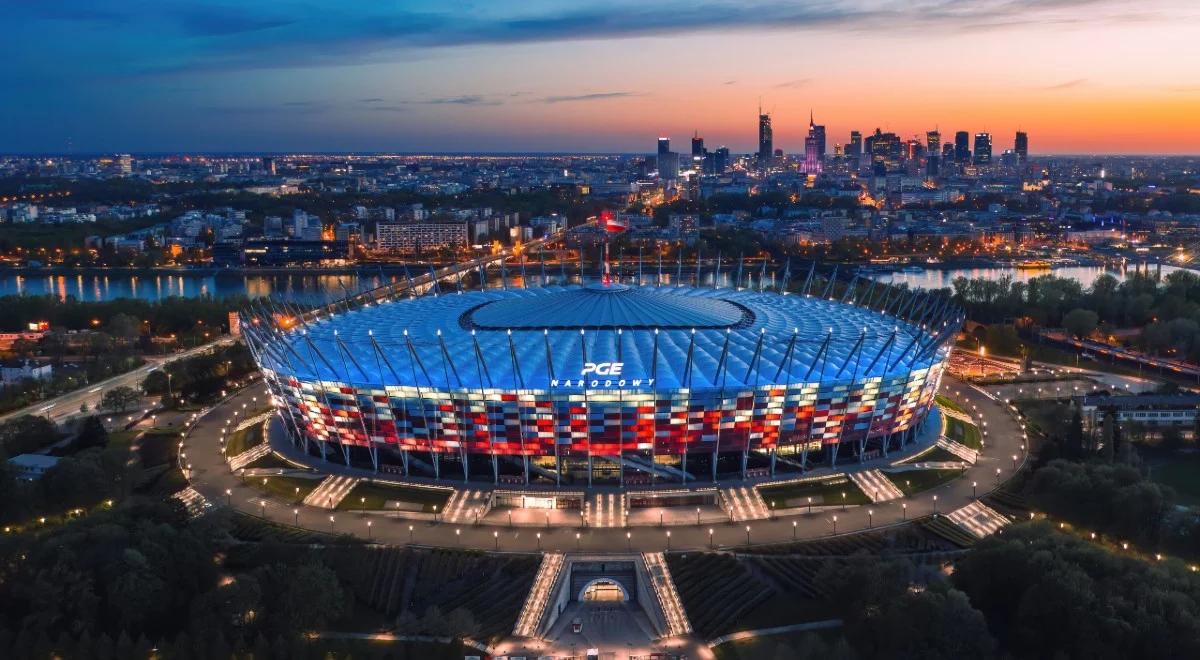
(187, 75)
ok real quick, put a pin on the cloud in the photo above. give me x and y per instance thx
(1069, 84)
(597, 96)
(468, 99)
(371, 100)
(729, 82)
(792, 84)
(198, 35)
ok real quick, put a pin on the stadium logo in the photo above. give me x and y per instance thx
(602, 368)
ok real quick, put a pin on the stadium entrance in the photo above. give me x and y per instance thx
(603, 591)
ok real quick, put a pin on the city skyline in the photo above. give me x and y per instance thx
(534, 77)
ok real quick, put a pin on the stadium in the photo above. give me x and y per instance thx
(605, 382)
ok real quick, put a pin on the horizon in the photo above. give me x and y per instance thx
(285, 76)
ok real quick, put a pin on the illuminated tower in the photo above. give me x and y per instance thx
(933, 148)
(983, 148)
(962, 147)
(1021, 146)
(766, 139)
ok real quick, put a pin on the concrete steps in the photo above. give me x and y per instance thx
(876, 485)
(978, 519)
(331, 491)
(534, 609)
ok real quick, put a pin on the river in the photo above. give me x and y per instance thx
(314, 288)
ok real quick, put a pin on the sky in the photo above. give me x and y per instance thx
(1080, 76)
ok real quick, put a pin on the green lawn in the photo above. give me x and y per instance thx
(964, 433)
(946, 402)
(270, 460)
(1181, 472)
(283, 486)
(935, 455)
(786, 645)
(823, 492)
(239, 441)
(373, 496)
(916, 481)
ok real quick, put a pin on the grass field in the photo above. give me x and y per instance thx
(1181, 472)
(239, 441)
(934, 455)
(824, 492)
(787, 645)
(373, 496)
(916, 481)
(291, 489)
(946, 402)
(964, 433)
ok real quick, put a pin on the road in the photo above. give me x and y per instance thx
(62, 408)
(212, 477)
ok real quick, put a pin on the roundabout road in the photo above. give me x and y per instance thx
(210, 475)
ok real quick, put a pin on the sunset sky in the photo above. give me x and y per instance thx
(1080, 76)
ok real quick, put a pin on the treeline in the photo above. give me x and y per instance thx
(1168, 310)
(201, 378)
(171, 315)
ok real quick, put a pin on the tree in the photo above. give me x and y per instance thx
(91, 433)
(119, 399)
(1080, 322)
(124, 326)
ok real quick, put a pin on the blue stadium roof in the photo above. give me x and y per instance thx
(618, 324)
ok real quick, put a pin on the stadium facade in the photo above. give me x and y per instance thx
(572, 377)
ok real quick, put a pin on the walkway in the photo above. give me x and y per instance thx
(600, 531)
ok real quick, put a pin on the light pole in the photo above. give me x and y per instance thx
(935, 504)
(973, 485)
(835, 525)
(793, 530)
(628, 541)
(296, 517)
(368, 530)
(458, 537)
(843, 500)
(697, 515)
(577, 541)
(668, 540)
(262, 505)
(435, 517)
(810, 505)
(496, 536)
(904, 511)
(330, 524)
(870, 519)
(228, 497)
(710, 538)
(747, 534)
(539, 541)
(410, 534)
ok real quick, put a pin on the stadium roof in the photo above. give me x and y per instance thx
(470, 340)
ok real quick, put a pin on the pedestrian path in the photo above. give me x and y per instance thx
(961, 416)
(249, 456)
(978, 519)
(958, 449)
(331, 491)
(877, 487)
(605, 510)
(745, 503)
(534, 608)
(668, 597)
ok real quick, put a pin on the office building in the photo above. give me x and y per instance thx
(983, 148)
(933, 148)
(766, 140)
(962, 147)
(1021, 146)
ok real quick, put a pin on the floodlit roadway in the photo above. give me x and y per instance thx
(1004, 452)
(62, 408)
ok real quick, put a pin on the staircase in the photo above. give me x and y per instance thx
(193, 502)
(668, 597)
(331, 491)
(978, 519)
(605, 510)
(465, 505)
(249, 456)
(958, 449)
(746, 503)
(877, 487)
(539, 595)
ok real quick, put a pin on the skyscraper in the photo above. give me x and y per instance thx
(664, 146)
(766, 139)
(668, 161)
(856, 143)
(933, 146)
(721, 160)
(1021, 146)
(983, 148)
(814, 147)
(818, 132)
(962, 147)
(697, 147)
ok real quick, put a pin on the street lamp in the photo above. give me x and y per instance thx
(835, 525)
(577, 541)
(496, 537)
(368, 530)
(973, 485)
(668, 540)
(904, 511)
(710, 538)
(697, 515)
(810, 505)
(935, 510)
(410, 533)
(628, 541)
(539, 540)
(870, 519)
(296, 517)
(228, 496)
(793, 530)
(458, 537)
(330, 524)
(747, 534)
